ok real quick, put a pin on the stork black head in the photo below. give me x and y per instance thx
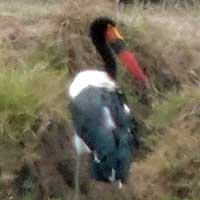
(104, 35)
(98, 29)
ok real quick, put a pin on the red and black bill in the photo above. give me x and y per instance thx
(115, 40)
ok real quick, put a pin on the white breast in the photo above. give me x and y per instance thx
(91, 78)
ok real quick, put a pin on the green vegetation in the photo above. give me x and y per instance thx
(166, 112)
(37, 39)
(18, 103)
(26, 93)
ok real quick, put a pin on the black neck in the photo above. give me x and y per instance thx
(97, 33)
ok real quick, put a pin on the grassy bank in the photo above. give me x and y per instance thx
(43, 44)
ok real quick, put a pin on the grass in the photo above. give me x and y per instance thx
(29, 9)
(166, 112)
(18, 103)
(34, 72)
(23, 94)
(172, 167)
(182, 173)
(48, 56)
(172, 170)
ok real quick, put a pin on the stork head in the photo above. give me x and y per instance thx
(103, 31)
(105, 35)
(99, 28)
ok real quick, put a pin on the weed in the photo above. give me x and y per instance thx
(165, 113)
(23, 93)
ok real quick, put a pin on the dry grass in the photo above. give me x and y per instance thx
(40, 43)
(27, 9)
(172, 170)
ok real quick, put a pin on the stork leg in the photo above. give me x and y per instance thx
(77, 177)
(80, 148)
(119, 184)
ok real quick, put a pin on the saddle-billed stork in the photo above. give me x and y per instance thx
(100, 116)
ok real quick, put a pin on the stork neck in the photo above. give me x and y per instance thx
(97, 32)
(109, 60)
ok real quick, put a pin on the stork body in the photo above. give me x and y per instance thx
(103, 124)
(100, 114)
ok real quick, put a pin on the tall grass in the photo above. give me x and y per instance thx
(33, 76)
(165, 113)
(29, 9)
(23, 94)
